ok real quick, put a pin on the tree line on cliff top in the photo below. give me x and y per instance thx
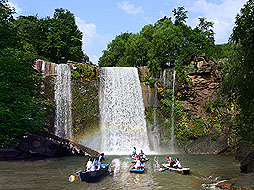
(23, 108)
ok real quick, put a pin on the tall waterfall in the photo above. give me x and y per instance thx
(122, 114)
(63, 100)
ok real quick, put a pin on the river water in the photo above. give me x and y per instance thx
(206, 170)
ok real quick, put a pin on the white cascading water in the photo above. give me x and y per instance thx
(172, 117)
(63, 100)
(123, 124)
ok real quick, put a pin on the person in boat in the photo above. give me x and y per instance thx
(142, 155)
(94, 165)
(89, 164)
(171, 161)
(101, 158)
(177, 164)
(99, 166)
(138, 163)
(134, 151)
(136, 157)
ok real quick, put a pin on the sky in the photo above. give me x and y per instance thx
(102, 20)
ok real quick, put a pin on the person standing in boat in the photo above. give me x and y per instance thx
(171, 161)
(101, 158)
(134, 151)
(177, 164)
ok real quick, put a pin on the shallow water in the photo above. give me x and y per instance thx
(54, 173)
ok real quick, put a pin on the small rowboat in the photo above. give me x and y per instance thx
(142, 160)
(94, 176)
(137, 170)
(178, 170)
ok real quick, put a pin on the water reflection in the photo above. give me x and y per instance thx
(54, 173)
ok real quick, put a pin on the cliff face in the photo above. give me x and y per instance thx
(200, 112)
(85, 94)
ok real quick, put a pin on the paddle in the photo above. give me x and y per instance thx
(163, 168)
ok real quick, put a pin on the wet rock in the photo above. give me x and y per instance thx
(208, 145)
(244, 182)
(245, 154)
(33, 147)
(35, 144)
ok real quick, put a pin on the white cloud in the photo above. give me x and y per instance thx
(93, 43)
(223, 15)
(129, 8)
(15, 6)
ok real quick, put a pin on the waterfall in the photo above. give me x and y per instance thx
(123, 124)
(63, 100)
(172, 117)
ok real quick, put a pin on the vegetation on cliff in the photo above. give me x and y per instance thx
(239, 73)
(23, 107)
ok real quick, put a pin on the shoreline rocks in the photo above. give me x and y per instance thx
(243, 182)
(34, 147)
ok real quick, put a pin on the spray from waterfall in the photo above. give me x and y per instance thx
(63, 100)
(123, 124)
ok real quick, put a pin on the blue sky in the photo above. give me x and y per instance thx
(101, 20)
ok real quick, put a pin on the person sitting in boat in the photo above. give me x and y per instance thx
(142, 155)
(171, 161)
(89, 164)
(99, 166)
(177, 164)
(94, 165)
(138, 164)
(136, 157)
(101, 157)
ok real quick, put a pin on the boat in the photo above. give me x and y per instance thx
(184, 171)
(142, 160)
(137, 170)
(94, 176)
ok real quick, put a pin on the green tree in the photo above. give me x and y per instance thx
(180, 15)
(7, 31)
(20, 110)
(114, 55)
(64, 41)
(240, 72)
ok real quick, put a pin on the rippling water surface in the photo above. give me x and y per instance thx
(206, 170)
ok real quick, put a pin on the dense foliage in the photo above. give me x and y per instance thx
(160, 45)
(23, 107)
(57, 39)
(239, 77)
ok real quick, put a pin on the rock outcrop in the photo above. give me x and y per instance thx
(245, 154)
(38, 147)
(244, 182)
(208, 145)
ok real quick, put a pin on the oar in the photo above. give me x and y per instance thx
(163, 168)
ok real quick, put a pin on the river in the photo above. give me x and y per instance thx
(53, 174)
